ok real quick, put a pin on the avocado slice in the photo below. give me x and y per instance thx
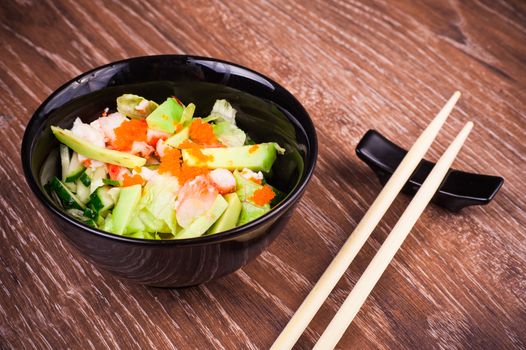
(127, 103)
(203, 223)
(250, 211)
(178, 138)
(134, 225)
(254, 157)
(125, 207)
(152, 223)
(187, 115)
(89, 150)
(166, 116)
(230, 217)
(245, 190)
(244, 187)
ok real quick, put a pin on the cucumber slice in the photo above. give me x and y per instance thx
(82, 191)
(75, 168)
(66, 197)
(101, 201)
(90, 222)
(71, 186)
(85, 178)
(114, 193)
(111, 182)
(77, 214)
(64, 159)
(90, 213)
(96, 179)
(107, 224)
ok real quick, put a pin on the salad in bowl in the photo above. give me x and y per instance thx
(158, 171)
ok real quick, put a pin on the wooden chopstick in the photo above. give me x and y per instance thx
(319, 293)
(385, 254)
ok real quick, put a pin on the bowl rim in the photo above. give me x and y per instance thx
(236, 232)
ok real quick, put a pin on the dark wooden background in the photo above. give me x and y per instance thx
(459, 281)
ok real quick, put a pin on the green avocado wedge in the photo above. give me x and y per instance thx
(91, 151)
(177, 139)
(125, 208)
(203, 223)
(258, 157)
(127, 104)
(250, 212)
(166, 116)
(230, 217)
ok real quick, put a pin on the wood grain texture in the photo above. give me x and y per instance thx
(459, 281)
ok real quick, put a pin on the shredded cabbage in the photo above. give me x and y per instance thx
(229, 134)
(223, 110)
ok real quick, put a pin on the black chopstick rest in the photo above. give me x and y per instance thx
(459, 189)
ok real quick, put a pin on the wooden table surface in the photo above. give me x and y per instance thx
(459, 280)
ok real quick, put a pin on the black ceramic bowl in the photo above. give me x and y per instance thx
(266, 111)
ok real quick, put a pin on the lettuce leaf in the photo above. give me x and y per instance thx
(229, 134)
(157, 205)
(223, 111)
(225, 129)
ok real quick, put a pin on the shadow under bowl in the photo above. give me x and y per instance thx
(266, 111)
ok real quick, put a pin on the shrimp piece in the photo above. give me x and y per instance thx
(141, 148)
(108, 125)
(223, 180)
(195, 198)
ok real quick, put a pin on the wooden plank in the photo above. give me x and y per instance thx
(458, 281)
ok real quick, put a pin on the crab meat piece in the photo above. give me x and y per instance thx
(146, 174)
(108, 125)
(117, 172)
(160, 148)
(91, 134)
(153, 136)
(141, 148)
(195, 198)
(252, 175)
(90, 163)
(223, 180)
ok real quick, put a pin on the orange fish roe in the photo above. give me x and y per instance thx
(199, 155)
(253, 149)
(202, 133)
(171, 163)
(132, 180)
(187, 172)
(256, 180)
(188, 144)
(178, 127)
(128, 132)
(263, 195)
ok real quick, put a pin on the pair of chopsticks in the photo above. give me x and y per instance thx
(354, 301)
